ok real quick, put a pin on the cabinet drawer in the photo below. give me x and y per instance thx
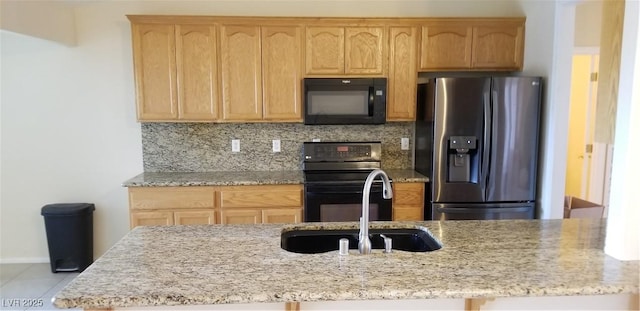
(261, 196)
(171, 197)
(408, 194)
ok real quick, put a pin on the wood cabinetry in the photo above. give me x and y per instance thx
(171, 205)
(241, 72)
(153, 218)
(446, 45)
(194, 217)
(345, 50)
(261, 204)
(261, 73)
(282, 48)
(211, 205)
(401, 83)
(173, 67)
(498, 46)
(461, 44)
(241, 69)
(408, 201)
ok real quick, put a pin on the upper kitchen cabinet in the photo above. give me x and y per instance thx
(401, 89)
(175, 72)
(446, 45)
(345, 50)
(282, 73)
(241, 66)
(472, 44)
(261, 73)
(498, 46)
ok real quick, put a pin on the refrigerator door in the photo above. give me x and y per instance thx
(483, 211)
(514, 139)
(460, 118)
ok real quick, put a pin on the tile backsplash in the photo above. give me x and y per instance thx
(202, 147)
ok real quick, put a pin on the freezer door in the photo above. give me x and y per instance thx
(461, 116)
(514, 139)
(483, 211)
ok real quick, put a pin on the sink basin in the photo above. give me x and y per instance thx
(320, 241)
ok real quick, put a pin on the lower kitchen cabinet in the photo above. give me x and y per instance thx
(261, 204)
(240, 216)
(204, 217)
(281, 215)
(215, 205)
(170, 217)
(151, 218)
(408, 201)
(257, 216)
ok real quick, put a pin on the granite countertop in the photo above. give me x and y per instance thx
(238, 178)
(217, 264)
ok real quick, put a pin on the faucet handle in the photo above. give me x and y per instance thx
(387, 243)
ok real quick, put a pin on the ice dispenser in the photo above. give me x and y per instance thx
(461, 151)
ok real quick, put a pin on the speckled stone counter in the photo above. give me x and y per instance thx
(237, 178)
(216, 264)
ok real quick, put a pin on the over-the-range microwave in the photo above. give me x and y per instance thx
(345, 100)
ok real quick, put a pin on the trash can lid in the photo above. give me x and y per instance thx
(67, 209)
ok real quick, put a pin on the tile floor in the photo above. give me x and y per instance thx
(30, 286)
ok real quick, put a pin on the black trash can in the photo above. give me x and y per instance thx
(69, 229)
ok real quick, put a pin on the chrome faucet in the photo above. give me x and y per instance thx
(364, 243)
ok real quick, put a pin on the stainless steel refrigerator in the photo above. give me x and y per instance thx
(477, 141)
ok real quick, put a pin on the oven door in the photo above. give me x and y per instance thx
(327, 203)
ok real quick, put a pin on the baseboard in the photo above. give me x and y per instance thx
(24, 260)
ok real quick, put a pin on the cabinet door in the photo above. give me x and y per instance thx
(240, 216)
(324, 50)
(282, 73)
(498, 46)
(197, 72)
(241, 73)
(446, 45)
(408, 201)
(281, 215)
(151, 219)
(154, 65)
(401, 88)
(203, 217)
(364, 52)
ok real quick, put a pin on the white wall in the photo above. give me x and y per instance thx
(588, 23)
(68, 114)
(55, 19)
(623, 223)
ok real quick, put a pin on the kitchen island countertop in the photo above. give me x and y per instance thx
(240, 178)
(219, 264)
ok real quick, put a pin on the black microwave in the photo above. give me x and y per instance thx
(345, 100)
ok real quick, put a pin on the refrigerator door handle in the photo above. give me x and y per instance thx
(494, 132)
(486, 146)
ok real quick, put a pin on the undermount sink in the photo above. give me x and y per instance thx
(320, 241)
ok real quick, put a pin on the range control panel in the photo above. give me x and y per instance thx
(341, 151)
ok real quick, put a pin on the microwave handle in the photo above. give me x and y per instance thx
(371, 98)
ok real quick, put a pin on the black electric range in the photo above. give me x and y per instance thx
(334, 176)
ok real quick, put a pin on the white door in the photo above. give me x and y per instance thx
(581, 167)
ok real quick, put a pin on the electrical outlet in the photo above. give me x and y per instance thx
(404, 143)
(315, 140)
(276, 145)
(235, 145)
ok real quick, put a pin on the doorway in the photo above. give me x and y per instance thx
(586, 160)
